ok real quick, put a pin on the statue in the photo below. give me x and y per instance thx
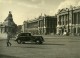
(10, 15)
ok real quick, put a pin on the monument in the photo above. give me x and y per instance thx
(8, 25)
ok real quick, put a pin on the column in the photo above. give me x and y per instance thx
(38, 26)
(76, 23)
(0, 29)
(61, 19)
(58, 23)
(43, 25)
(64, 22)
(77, 18)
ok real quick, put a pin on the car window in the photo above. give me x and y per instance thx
(25, 34)
(22, 34)
(28, 34)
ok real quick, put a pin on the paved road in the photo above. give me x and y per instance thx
(55, 47)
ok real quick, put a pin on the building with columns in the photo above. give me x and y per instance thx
(68, 20)
(41, 25)
(47, 24)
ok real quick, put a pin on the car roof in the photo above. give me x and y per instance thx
(25, 33)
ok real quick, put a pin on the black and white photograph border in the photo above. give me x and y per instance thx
(39, 29)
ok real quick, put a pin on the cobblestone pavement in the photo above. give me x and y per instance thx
(53, 47)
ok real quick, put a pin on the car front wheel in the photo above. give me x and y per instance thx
(19, 41)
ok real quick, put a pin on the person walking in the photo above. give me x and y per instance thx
(8, 39)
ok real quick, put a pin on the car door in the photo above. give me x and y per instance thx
(27, 37)
(22, 37)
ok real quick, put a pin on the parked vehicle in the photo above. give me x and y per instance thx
(27, 37)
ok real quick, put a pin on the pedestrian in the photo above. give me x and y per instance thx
(8, 39)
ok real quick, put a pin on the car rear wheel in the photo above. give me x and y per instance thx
(38, 42)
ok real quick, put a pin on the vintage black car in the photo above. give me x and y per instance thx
(27, 37)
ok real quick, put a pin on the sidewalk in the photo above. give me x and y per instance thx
(60, 37)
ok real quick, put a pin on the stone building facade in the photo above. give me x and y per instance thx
(41, 25)
(30, 26)
(47, 24)
(68, 20)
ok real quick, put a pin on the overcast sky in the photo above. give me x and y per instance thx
(30, 9)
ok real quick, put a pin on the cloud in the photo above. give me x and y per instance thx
(35, 2)
(38, 1)
(6, 1)
(79, 3)
(68, 3)
(27, 5)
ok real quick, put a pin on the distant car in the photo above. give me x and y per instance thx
(27, 37)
